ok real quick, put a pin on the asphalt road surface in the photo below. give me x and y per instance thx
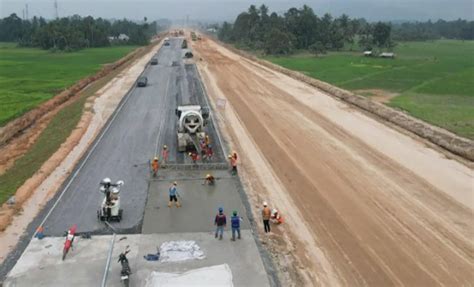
(145, 122)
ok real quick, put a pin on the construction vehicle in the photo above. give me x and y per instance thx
(110, 207)
(193, 36)
(184, 45)
(191, 122)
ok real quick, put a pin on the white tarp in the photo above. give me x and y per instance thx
(171, 251)
(218, 275)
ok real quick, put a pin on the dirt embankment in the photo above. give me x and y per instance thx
(364, 204)
(453, 143)
(36, 191)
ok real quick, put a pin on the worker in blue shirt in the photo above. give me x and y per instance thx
(235, 223)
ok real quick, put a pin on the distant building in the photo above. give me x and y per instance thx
(123, 37)
(387, 55)
(119, 38)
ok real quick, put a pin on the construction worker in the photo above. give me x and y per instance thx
(173, 192)
(234, 155)
(233, 164)
(209, 180)
(207, 140)
(155, 165)
(39, 232)
(194, 157)
(266, 215)
(220, 222)
(235, 224)
(165, 154)
(203, 147)
(210, 152)
(276, 217)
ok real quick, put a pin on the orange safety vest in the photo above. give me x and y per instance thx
(155, 165)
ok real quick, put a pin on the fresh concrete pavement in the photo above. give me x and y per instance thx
(41, 263)
(142, 125)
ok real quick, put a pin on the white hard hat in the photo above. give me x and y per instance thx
(265, 203)
(106, 180)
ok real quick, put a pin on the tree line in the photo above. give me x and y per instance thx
(301, 28)
(73, 33)
(423, 31)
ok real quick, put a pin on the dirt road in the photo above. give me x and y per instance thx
(365, 204)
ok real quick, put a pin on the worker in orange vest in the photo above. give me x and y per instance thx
(155, 165)
(276, 216)
(233, 164)
(194, 157)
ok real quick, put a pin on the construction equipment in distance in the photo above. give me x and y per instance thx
(191, 122)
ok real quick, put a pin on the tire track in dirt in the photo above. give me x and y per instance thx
(378, 223)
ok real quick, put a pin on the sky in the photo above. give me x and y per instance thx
(220, 10)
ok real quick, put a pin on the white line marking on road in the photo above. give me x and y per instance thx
(104, 131)
(162, 120)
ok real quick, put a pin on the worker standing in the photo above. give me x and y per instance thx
(165, 154)
(194, 157)
(173, 193)
(155, 165)
(220, 221)
(210, 152)
(233, 164)
(234, 155)
(207, 140)
(203, 147)
(235, 224)
(266, 214)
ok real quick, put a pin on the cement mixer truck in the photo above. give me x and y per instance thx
(190, 126)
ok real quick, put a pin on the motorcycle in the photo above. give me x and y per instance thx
(70, 234)
(126, 271)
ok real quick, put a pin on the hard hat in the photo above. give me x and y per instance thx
(156, 158)
(106, 180)
(190, 154)
(221, 209)
(230, 156)
(265, 203)
(208, 175)
(175, 183)
(165, 146)
(234, 212)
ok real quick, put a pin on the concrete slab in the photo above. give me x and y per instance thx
(199, 202)
(146, 122)
(41, 264)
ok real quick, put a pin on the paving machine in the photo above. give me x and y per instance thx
(110, 207)
(191, 122)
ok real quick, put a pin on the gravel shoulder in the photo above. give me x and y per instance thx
(365, 204)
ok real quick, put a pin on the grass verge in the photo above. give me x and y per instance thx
(30, 76)
(56, 133)
(433, 81)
